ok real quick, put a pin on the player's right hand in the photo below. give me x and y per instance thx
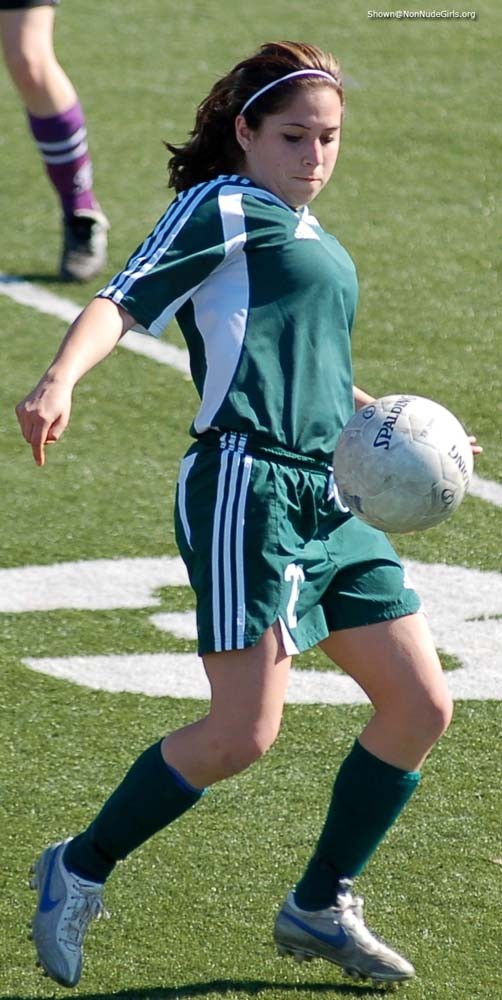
(44, 414)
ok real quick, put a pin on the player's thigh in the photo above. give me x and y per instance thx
(395, 662)
(27, 38)
(248, 688)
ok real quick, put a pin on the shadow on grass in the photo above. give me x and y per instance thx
(41, 278)
(45, 278)
(248, 987)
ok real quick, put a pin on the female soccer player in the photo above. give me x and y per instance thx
(266, 301)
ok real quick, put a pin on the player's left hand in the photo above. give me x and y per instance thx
(476, 448)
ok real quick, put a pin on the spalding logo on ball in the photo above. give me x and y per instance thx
(403, 463)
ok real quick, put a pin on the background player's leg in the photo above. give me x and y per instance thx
(27, 40)
(58, 127)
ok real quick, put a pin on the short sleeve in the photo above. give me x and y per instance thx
(166, 270)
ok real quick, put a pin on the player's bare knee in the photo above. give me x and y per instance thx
(237, 751)
(439, 714)
(430, 715)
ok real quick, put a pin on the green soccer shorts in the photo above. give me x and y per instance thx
(265, 538)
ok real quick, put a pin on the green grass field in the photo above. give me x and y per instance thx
(416, 199)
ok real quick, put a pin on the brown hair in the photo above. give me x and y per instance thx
(212, 147)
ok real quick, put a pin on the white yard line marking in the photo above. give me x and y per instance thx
(464, 607)
(486, 489)
(28, 294)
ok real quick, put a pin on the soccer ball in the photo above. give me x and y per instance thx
(403, 463)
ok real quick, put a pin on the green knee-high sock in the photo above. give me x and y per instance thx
(150, 797)
(368, 796)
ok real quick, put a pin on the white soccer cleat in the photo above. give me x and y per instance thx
(66, 906)
(339, 935)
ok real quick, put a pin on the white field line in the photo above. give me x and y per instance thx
(464, 608)
(28, 294)
(486, 489)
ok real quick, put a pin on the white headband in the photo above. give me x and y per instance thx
(289, 76)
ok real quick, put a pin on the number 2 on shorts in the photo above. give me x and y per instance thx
(293, 574)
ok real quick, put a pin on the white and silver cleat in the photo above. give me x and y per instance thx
(339, 934)
(66, 906)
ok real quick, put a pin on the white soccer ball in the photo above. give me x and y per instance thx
(403, 463)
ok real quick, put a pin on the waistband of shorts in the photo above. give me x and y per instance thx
(261, 447)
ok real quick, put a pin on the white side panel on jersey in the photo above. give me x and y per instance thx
(221, 308)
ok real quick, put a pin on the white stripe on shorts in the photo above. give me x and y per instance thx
(228, 585)
(239, 552)
(227, 554)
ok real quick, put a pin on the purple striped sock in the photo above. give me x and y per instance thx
(62, 144)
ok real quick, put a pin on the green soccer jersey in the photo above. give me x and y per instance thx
(265, 299)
